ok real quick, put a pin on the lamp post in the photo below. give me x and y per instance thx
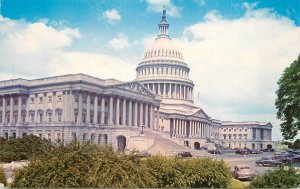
(142, 132)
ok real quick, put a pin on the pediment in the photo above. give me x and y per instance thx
(200, 113)
(136, 87)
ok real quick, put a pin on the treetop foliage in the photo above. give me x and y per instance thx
(288, 100)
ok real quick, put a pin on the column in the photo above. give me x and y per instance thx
(118, 112)
(111, 106)
(135, 114)
(157, 118)
(191, 130)
(183, 92)
(11, 111)
(165, 90)
(19, 109)
(158, 90)
(175, 90)
(96, 110)
(102, 110)
(124, 112)
(130, 113)
(151, 116)
(88, 109)
(176, 127)
(146, 116)
(3, 108)
(180, 92)
(184, 128)
(80, 108)
(141, 114)
(170, 90)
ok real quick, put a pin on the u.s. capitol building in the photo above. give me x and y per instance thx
(152, 111)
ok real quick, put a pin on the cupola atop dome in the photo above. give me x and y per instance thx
(163, 26)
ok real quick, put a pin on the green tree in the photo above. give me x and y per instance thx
(288, 100)
(2, 176)
(297, 144)
(284, 177)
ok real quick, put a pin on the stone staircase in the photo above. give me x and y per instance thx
(167, 147)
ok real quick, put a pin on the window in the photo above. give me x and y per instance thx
(40, 135)
(31, 100)
(229, 136)
(50, 117)
(59, 98)
(41, 100)
(41, 117)
(75, 117)
(16, 118)
(224, 135)
(92, 101)
(84, 99)
(59, 117)
(234, 136)
(8, 118)
(23, 118)
(229, 130)
(32, 117)
(234, 130)
(15, 101)
(245, 136)
(49, 99)
(76, 98)
(7, 102)
(83, 118)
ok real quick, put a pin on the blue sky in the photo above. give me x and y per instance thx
(236, 49)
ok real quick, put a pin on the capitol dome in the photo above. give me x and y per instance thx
(163, 69)
(162, 48)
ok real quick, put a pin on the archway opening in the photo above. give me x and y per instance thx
(269, 146)
(197, 146)
(121, 140)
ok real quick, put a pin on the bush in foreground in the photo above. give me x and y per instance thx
(85, 165)
(284, 177)
(2, 176)
(16, 149)
(90, 166)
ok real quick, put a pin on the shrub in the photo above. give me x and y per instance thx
(284, 177)
(2, 176)
(191, 173)
(16, 149)
(85, 165)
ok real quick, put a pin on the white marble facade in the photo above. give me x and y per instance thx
(161, 100)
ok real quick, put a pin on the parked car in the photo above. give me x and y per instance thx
(268, 150)
(203, 148)
(242, 151)
(269, 161)
(288, 158)
(145, 154)
(214, 151)
(184, 154)
(243, 171)
(254, 151)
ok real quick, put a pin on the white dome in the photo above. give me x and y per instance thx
(162, 48)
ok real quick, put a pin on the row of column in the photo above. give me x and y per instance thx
(189, 128)
(11, 108)
(120, 112)
(171, 90)
(162, 71)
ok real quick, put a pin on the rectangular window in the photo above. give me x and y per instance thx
(7, 102)
(59, 117)
(15, 101)
(23, 101)
(83, 99)
(41, 100)
(76, 98)
(50, 117)
(49, 99)
(32, 118)
(31, 100)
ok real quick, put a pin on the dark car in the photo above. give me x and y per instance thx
(203, 148)
(269, 161)
(184, 154)
(215, 151)
(268, 150)
(242, 151)
(288, 158)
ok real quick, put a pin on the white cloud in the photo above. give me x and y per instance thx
(31, 50)
(235, 64)
(157, 6)
(119, 42)
(112, 16)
